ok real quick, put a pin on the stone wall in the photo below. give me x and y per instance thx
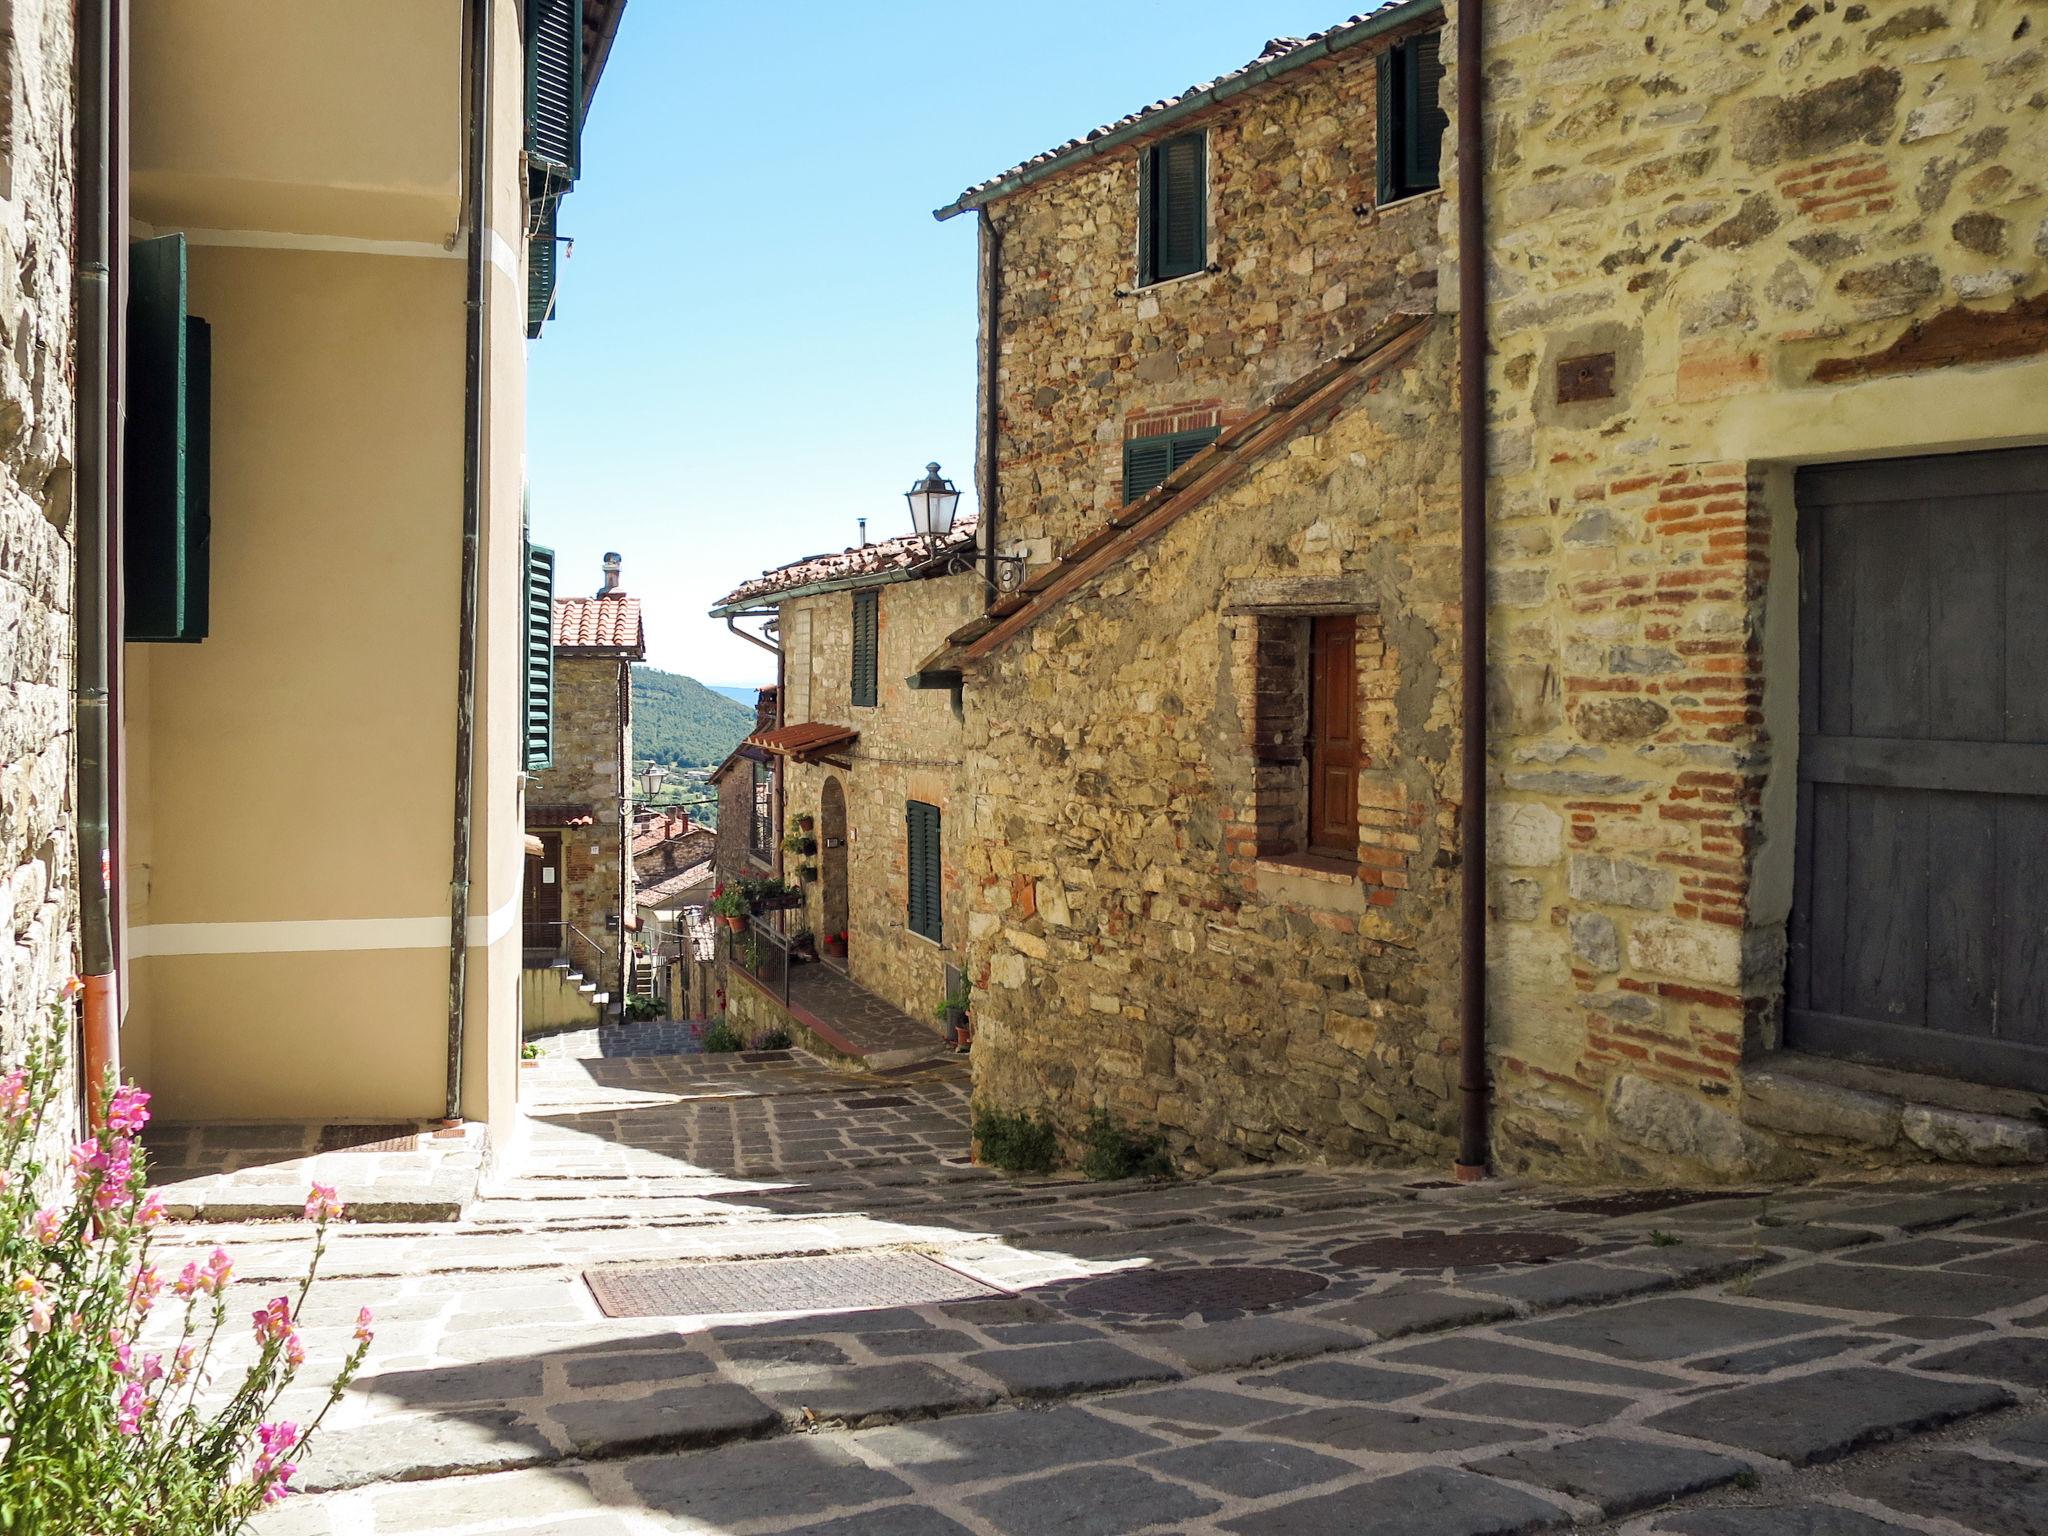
(909, 749)
(1303, 264)
(38, 849)
(593, 751)
(1132, 950)
(1793, 232)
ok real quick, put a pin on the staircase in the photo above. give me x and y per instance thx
(558, 997)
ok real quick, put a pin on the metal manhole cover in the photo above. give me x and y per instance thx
(401, 1136)
(1177, 1292)
(831, 1283)
(1640, 1202)
(880, 1101)
(1455, 1250)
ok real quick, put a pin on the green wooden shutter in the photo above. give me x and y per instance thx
(166, 521)
(1180, 220)
(922, 863)
(1185, 445)
(1423, 131)
(554, 85)
(1149, 460)
(1148, 254)
(1388, 147)
(866, 636)
(542, 266)
(540, 658)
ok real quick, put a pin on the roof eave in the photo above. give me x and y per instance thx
(600, 49)
(1146, 124)
(931, 569)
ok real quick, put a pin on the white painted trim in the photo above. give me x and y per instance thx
(314, 935)
(286, 240)
(503, 257)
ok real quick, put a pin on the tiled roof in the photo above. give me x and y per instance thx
(560, 816)
(805, 741)
(907, 554)
(1280, 55)
(610, 623)
(659, 893)
(1316, 394)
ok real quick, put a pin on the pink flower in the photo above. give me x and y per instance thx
(153, 1368)
(134, 1404)
(273, 1322)
(363, 1333)
(151, 1211)
(87, 1157)
(39, 1317)
(188, 1280)
(294, 1351)
(74, 986)
(47, 1224)
(129, 1111)
(278, 1485)
(214, 1280)
(322, 1204)
(268, 1472)
(14, 1097)
(143, 1287)
(181, 1364)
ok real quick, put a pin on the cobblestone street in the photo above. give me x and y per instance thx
(1282, 1351)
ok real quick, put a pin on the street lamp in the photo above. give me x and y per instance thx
(933, 501)
(651, 777)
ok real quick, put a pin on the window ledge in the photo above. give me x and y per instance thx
(1138, 289)
(1403, 201)
(1326, 867)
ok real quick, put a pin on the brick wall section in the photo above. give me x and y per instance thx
(37, 826)
(1305, 266)
(1742, 205)
(593, 751)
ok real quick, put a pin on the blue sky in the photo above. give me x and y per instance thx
(761, 334)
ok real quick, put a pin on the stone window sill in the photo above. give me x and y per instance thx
(1327, 867)
(1311, 881)
(1403, 202)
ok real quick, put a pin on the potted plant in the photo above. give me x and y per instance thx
(952, 1013)
(800, 843)
(803, 945)
(807, 873)
(835, 944)
(807, 821)
(730, 906)
(775, 895)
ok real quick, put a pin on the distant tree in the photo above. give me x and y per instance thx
(680, 722)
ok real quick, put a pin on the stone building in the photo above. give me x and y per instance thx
(1214, 743)
(579, 905)
(867, 764)
(748, 823)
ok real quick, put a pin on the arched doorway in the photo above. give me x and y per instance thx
(832, 856)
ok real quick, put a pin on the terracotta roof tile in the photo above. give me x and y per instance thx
(803, 741)
(560, 816)
(908, 553)
(610, 623)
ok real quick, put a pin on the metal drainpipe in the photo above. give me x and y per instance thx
(991, 415)
(472, 537)
(1473, 1091)
(94, 603)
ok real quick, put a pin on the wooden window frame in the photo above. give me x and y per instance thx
(761, 839)
(1282, 695)
(1411, 130)
(1157, 212)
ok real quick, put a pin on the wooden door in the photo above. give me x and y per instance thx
(1919, 934)
(832, 858)
(1334, 756)
(542, 905)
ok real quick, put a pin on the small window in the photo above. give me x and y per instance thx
(761, 828)
(866, 634)
(1149, 460)
(1411, 116)
(540, 658)
(1307, 736)
(922, 861)
(1173, 208)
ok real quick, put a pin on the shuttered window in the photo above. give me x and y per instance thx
(1173, 208)
(1149, 460)
(540, 658)
(543, 265)
(922, 862)
(554, 85)
(761, 828)
(866, 637)
(1411, 116)
(167, 525)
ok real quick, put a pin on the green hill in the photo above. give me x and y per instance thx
(680, 722)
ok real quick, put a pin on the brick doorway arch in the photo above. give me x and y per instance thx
(832, 856)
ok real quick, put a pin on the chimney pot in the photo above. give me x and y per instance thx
(612, 564)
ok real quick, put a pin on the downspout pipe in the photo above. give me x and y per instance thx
(94, 598)
(991, 401)
(472, 540)
(1474, 1092)
(732, 623)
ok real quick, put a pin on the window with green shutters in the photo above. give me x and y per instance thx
(1411, 116)
(540, 658)
(543, 265)
(554, 86)
(922, 860)
(167, 524)
(1173, 208)
(867, 619)
(1149, 460)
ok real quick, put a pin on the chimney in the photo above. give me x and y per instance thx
(863, 532)
(611, 573)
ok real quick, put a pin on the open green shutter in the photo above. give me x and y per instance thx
(554, 85)
(921, 862)
(1423, 131)
(1185, 445)
(542, 266)
(1148, 255)
(1147, 461)
(166, 527)
(1387, 148)
(1182, 226)
(866, 637)
(540, 658)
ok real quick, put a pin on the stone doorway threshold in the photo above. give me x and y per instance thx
(383, 1172)
(1880, 1107)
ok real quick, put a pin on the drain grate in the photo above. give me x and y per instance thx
(879, 1101)
(399, 1136)
(1455, 1250)
(830, 1283)
(1177, 1292)
(1641, 1202)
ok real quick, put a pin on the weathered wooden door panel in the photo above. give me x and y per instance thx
(543, 896)
(1919, 932)
(1334, 754)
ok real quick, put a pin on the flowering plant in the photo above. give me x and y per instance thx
(109, 1424)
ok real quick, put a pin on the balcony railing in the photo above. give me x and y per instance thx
(763, 954)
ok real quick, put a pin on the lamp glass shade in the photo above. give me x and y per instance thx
(933, 503)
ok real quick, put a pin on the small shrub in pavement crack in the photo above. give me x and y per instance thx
(721, 1036)
(1117, 1152)
(1019, 1143)
(100, 1435)
(1662, 1239)
(775, 1039)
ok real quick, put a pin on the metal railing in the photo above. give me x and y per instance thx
(597, 955)
(763, 954)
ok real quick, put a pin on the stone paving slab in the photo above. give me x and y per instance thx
(1618, 1476)
(1805, 1419)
